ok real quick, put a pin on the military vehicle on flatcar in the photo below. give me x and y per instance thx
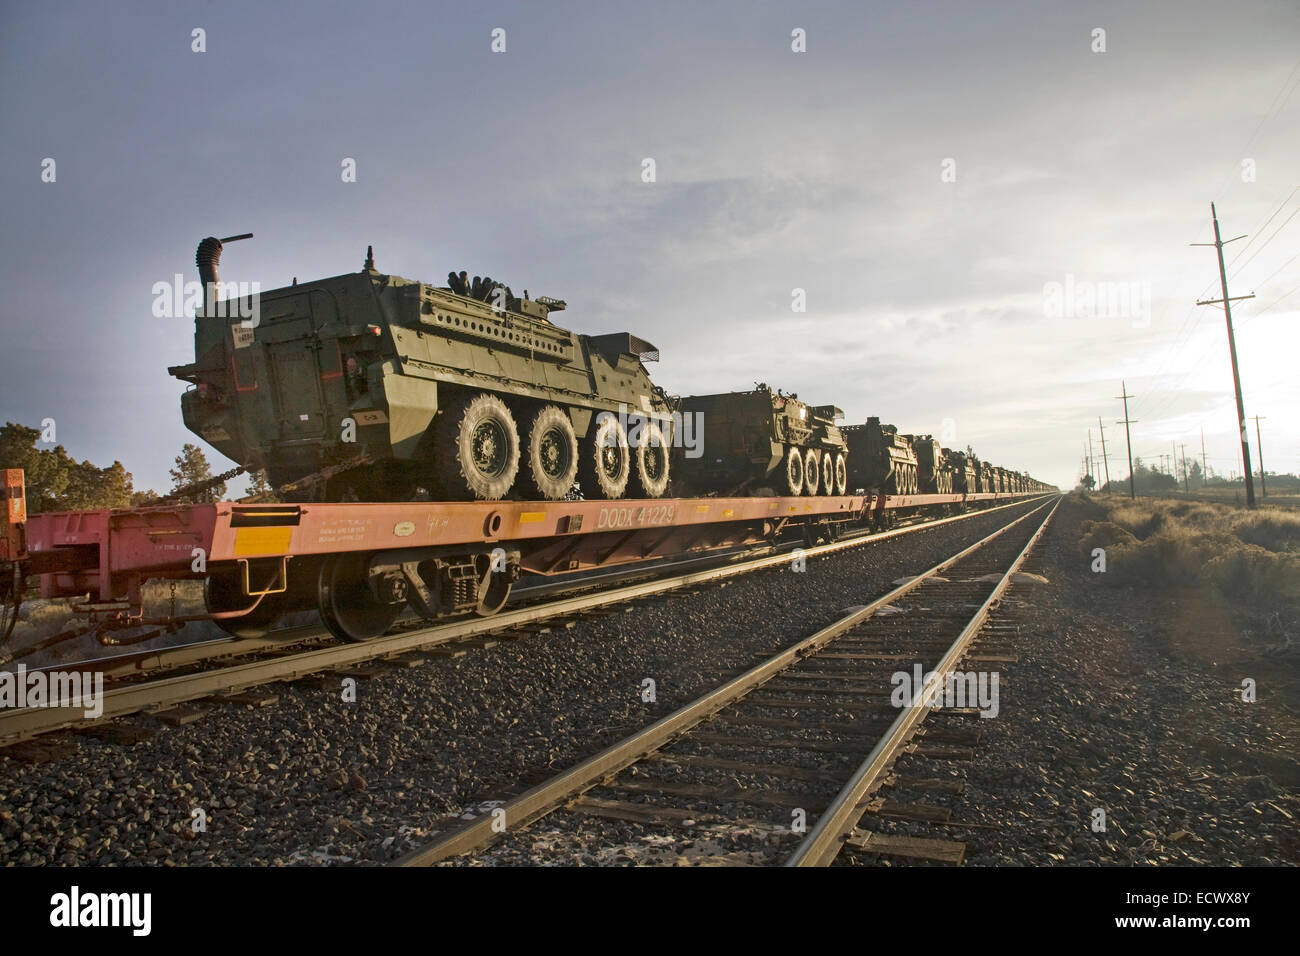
(880, 459)
(368, 386)
(962, 468)
(763, 441)
(933, 474)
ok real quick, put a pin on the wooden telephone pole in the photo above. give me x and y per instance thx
(1232, 350)
(1104, 461)
(1259, 444)
(1128, 439)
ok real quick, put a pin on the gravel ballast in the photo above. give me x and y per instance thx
(313, 779)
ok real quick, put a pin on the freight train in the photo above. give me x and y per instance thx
(430, 444)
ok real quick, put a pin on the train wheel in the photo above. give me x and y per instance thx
(792, 482)
(841, 475)
(477, 449)
(812, 471)
(494, 587)
(552, 454)
(348, 606)
(223, 590)
(605, 465)
(828, 474)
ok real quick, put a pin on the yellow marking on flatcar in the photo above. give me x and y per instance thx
(701, 509)
(262, 540)
(531, 517)
(729, 513)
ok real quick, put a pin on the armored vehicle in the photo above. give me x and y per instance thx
(880, 459)
(371, 387)
(962, 468)
(990, 478)
(763, 440)
(933, 475)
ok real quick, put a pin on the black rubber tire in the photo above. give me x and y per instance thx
(605, 464)
(841, 474)
(551, 460)
(828, 474)
(651, 459)
(461, 444)
(812, 471)
(792, 478)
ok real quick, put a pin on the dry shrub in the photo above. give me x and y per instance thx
(38, 620)
(1246, 556)
(1105, 534)
(1256, 575)
(1274, 529)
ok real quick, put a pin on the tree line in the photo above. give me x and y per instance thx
(58, 482)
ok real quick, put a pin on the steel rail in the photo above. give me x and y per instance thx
(554, 793)
(836, 823)
(21, 724)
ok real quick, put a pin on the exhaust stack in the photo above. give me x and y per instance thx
(208, 259)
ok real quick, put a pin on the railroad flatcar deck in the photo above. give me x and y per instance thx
(366, 559)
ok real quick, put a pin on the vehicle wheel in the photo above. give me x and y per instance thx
(841, 475)
(223, 590)
(650, 461)
(347, 605)
(792, 481)
(605, 466)
(552, 455)
(476, 447)
(828, 473)
(812, 471)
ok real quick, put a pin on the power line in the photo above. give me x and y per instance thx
(1279, 269)
(1269, 113)
(1259, 230)
(1271, 304)
(1189, 326)
(1265, 245)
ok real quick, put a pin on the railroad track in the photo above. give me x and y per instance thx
(164, 693)
(779, 764)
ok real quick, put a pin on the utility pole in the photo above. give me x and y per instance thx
(1128, 439)
(1204, 474)
(1232, 350)
(1186, 487)
(1092, 462)
(1259, 444)
(1104, 461)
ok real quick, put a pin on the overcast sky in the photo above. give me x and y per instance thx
(924, 172)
